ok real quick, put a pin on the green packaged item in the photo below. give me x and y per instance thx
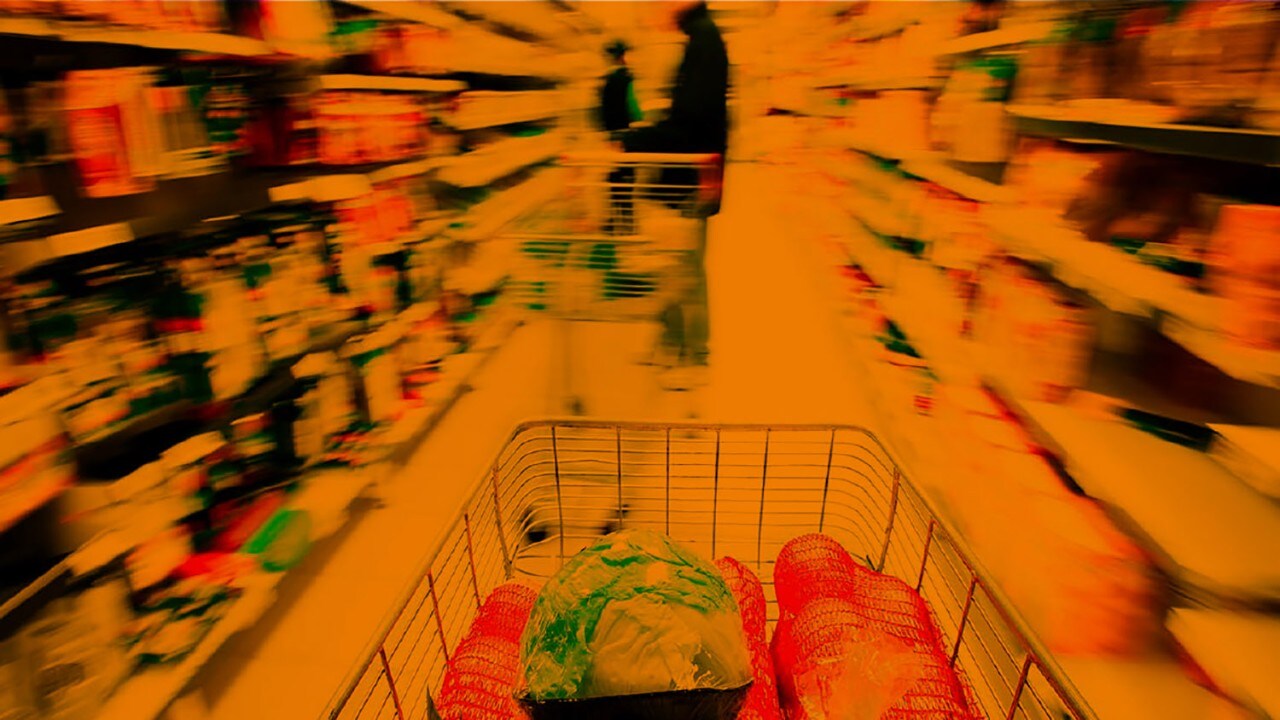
(282, 541)
(631, 623)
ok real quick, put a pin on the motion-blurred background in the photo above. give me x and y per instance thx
(277, 278)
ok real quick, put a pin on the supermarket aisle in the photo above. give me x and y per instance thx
(773, 360)
(773, 356)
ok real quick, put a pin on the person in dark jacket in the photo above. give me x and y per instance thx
(618, 106)
(698, 122)
(617, 111)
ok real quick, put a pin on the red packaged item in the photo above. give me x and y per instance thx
(852, 642)
(483, 672)
(762, 699)
(812, 566)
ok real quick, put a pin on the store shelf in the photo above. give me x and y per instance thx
(145, 695)
(419, 12)
(407, 169)
(1005, 36)
(490, 216)
(83, 32)
(461, 121)
(499, 159)
(1155, 685)
(1125, 285)
(19, 504)
(933, 168)
(1216, 536)
(330, 184)
(24, 254)
(530, 19)
(1240, 518)
(389, 83)
(1250, 453)
(1241, 653)
(328, 494)
(20, 210)
(1254, 147)
(861, 81)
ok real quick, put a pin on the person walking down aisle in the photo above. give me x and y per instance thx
(618, 110)
(698, 122)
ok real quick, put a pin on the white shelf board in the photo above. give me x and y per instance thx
(1239, 652)
(16, 210)
(18, 256)
(1251, 453)
(461, 121)
(1219, 535)
(1126, 285)
(419, 12)
(500, 159)
(390, 83)
(146, 694)
(932, 168)
(1012, 35)
(490, 216)
(201, 42)
(407, 169)
(83, 32)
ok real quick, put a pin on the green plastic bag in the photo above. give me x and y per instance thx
(633, 616)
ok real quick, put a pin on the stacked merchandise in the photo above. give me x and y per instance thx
(228, 333)
(1247, 273)
(184, 15)
(1204, 62)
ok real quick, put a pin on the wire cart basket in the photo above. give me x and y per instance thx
(624, 242)
(737, 490)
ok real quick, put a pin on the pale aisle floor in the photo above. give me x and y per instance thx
(774, 359)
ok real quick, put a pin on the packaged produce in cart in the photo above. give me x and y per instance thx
(636, 626)
(853, 644)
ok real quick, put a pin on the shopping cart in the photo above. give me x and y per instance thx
(624, 242)
(734, 490)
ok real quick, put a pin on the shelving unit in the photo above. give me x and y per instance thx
(1260, 147)
(44, 234)
(34, 498)
(1113, 687)
(1206, 516)
(502, 158)
(389, 83)
(19, 210)
(1125, 285)
(220, 44)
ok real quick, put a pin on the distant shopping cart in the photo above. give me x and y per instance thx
(623, 242)
(737, 490)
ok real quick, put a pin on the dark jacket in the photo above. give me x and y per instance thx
(618, 107)
(698, 121)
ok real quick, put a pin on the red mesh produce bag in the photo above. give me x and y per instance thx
(505, 612)
(852, 644)
(811, 566)
(762, 699)
(480, 682)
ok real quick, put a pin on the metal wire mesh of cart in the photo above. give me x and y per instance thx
(733, 490)
(615, 244)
